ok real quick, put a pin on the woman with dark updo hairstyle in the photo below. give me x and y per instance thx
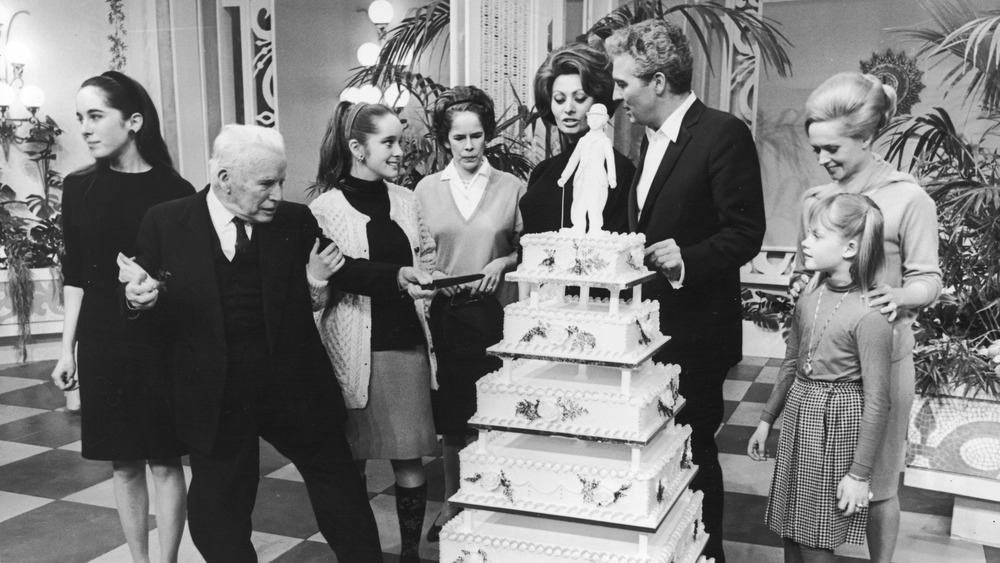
(372, 321)
(127, 414)
(471, 210)
(572, 78)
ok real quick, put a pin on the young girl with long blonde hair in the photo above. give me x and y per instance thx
(833, 387)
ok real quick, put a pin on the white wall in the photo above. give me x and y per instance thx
(68, 44)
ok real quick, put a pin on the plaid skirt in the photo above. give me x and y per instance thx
(819, 433)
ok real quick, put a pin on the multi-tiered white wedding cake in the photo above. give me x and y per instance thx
(578, 456)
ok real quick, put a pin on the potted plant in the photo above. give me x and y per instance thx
(955, 422)
(427, 25)
(31, 242)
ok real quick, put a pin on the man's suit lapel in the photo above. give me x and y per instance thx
(670, 159)
(276, 252)
(196, 239)
(633, 200)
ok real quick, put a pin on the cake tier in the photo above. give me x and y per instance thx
(577, 479)
(562, 399)
(576, 259)
(566, 328)
(489, 537)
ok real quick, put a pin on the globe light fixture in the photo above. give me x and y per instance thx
(368, 53)
(395, 96)
(370, 93)
(15, 57)
(351, 94)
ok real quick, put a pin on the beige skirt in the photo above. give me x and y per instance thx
(891, 456)
(397, 422)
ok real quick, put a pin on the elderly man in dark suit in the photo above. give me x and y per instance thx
(697, 198)
(236, 268)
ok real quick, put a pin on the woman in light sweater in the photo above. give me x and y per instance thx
(472, 211)
(842, 117)
(372, 320)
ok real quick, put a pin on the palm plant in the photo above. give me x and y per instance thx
(425, 29)
(957, 333)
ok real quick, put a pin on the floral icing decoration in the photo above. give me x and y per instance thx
(686, 456)
(491, 481)
(469, 557)
(661, 490)
(540, 330)
(595, 493)
(562, 409)
(527, 409)
(663, 409)
(570, 409)
(643, 337)
(586, 261)
(549, 262)
(634, 260)
(580, 339)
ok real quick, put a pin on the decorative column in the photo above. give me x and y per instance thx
(740, 71)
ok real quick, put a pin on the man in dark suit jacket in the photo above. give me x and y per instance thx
(697, 198)
(235, 268)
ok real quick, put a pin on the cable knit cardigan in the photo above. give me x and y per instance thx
(345, 319)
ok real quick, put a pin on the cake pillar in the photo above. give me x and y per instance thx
(636, 459)
(637, 294)
(643, 545)
(581, 371)
(626, 381)
(534, 295)
(584, 295)
(613, 302)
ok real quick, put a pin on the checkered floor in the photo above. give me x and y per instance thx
(57, 507)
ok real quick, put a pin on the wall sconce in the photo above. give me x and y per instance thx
(380, 12)
(16, 56)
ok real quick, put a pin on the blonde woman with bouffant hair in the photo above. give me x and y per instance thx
(843, 117)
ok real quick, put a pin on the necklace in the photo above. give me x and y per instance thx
(814, 338)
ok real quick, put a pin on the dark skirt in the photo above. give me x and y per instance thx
(454, 401)
(819, 433)
(396, 423)
(127, 404)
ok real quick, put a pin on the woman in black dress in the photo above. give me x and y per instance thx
(572, 79)
(127, 414)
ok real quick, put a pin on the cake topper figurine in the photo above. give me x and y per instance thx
(593, 159)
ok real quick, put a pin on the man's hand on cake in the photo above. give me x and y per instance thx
(665, 257)
(409, 280)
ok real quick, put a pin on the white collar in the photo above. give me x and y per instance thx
(672, 126)
(218, 212)
(451, 171)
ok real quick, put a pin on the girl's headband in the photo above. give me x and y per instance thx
(349, 123)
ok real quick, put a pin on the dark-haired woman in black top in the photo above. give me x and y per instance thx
(125, 394)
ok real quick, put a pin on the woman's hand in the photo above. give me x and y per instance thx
(409, 280)
(64, 374)
(492, 276)
(324, 264)
(796, 285)
(887, 297)
(756, 447)
(852, 495)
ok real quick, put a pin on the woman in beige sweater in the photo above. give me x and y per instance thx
(842, 117)
(472, 212)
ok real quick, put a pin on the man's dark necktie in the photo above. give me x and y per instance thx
(242, 240)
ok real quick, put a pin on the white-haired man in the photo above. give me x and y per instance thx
(232, 270)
